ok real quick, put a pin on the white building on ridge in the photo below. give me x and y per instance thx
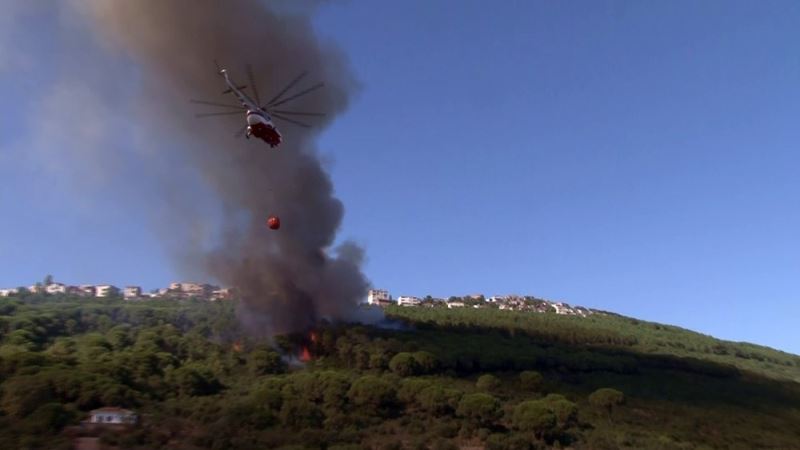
(191, 289)
(56, 288)
(222, 294)
(132, 292)
(378, 297)
(405, 300)
(105, 290)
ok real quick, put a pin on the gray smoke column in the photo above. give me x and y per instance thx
(288, 279)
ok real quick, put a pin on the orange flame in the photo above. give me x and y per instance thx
(306, 355)
(237, 346)
(313, 337)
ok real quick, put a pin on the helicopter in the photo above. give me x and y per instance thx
(259, 116)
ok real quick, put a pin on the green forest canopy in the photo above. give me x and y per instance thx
(501, 379)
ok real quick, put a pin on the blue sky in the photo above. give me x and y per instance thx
(635, 157)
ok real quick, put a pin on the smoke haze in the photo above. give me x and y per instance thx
(208, 193)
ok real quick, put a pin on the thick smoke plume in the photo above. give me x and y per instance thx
(288, 279)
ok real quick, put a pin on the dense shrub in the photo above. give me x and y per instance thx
(607, 399)
(534, 416)
(480, 409)
(372, 395)
(531, 380)
(487, 383)
(403, 364)
(438, 400)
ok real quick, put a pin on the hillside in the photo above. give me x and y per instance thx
(430, 379)
(613, 331)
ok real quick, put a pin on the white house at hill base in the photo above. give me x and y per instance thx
(112, 415)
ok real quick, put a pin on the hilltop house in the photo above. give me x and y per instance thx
(87, 290)
(405, 300)
(223, 294)
(379, 297)
(56, 288)
(132, 292)
(187, 290)
(105, 290)
(563, 308)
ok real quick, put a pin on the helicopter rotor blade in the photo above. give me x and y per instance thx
(300, 124)
(289, 86)
(299, 94)
(204, 102)
(295, 113)
(249, 70)
(227, 113)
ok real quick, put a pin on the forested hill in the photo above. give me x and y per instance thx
(426, 379)
(612, 331)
